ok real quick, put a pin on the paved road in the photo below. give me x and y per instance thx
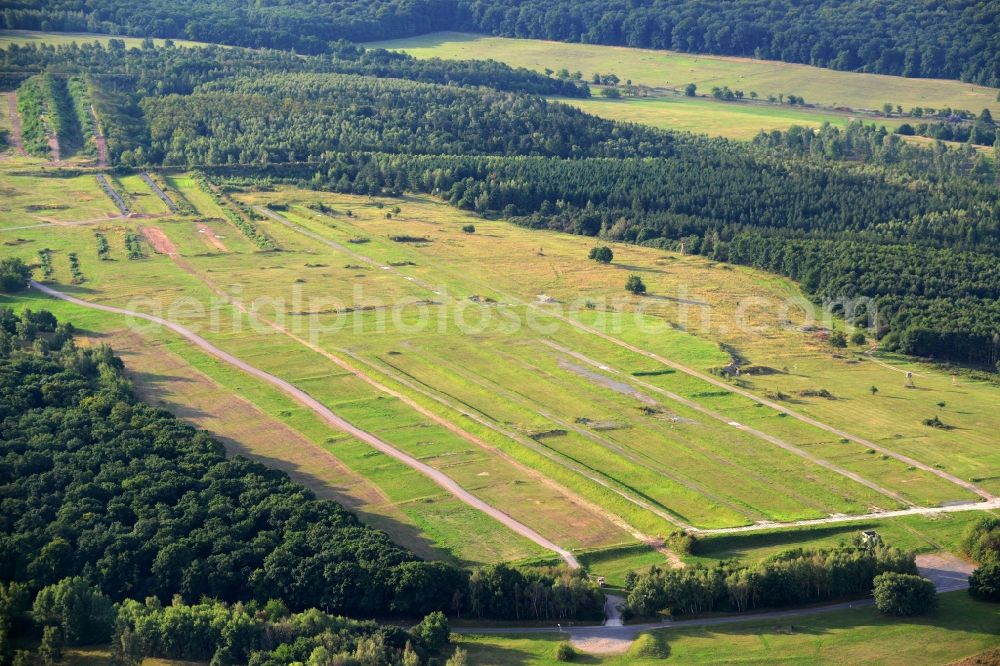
(327, 415)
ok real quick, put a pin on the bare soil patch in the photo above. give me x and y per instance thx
(159, 241)
(15, 125)
(211, 239)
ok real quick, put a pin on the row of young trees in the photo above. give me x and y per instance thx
(794, 577)
(957, 40)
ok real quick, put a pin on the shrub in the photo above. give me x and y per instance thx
(981, 541)
(937, 423)
(984, 583)
(904, 594)
(649, 646)
(14, 275)
(469, 228)
(635, 285)
(601, 254)
(433, 631)
(565, 652)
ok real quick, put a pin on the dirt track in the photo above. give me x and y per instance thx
(211, 240)
(327, 415)
(99, 141)
(15, 125)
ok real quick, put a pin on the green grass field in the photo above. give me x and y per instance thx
(960, 628)
(675, 70)
(734, 120)
(25, 37)
(547, 418)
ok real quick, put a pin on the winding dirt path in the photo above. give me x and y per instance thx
(15, 125)
(327, 415)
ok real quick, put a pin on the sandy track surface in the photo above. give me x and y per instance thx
(15, 125)
(100, 142)
(332, 419)
(159, 241)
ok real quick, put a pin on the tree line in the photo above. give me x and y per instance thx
(794, 577)
(303, 117)
(958, 40)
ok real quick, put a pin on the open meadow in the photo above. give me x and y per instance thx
(542, 388)
(841, 96)
(733, 120)
(670, 69)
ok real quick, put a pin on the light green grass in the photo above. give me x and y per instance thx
(615, 563)
(675, 70)
(523, 399)
(734, 120)
(28, 200)
(140, 198)
(918, 533)
(26, 37)
(960, 628)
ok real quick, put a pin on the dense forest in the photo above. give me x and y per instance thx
(289, 118)
(958, 39)
(136, 505)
